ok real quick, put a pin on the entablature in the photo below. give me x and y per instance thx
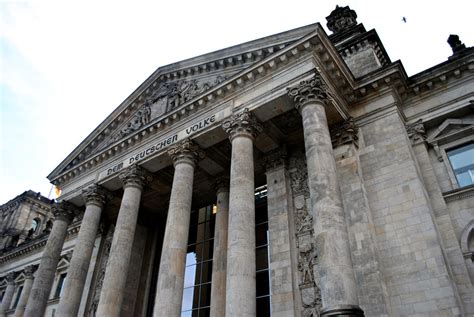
(316, 45)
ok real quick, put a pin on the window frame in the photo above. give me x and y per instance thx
(453, 145)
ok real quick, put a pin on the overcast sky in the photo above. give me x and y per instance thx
(66, 65)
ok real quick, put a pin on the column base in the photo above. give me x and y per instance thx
(342, 310)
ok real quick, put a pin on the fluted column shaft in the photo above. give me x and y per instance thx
(111, 296)
(169, 292)
(338, 287)
(9, 291)
(79, 266)
(241, 288)
(25, 293)
(219, 261)
(41, 288)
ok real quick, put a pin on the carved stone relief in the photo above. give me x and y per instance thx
(307, 250)
(168, 96)
(99, 281)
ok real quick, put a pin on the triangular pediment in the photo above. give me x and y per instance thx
(173, 85)
(451, 129)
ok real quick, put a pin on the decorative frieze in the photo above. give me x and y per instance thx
(185, 150)
(344, 133)
(135, 176)
(307, 91)
(242, 124)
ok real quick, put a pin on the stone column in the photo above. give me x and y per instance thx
(25, 293)
(77, 272)
(240, 296)
(134, 179)
(64, 213)
(338, 287)
(169, 292)
(219, 261)
(10, 290)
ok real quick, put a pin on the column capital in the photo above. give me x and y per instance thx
(28, 271)
(185, 151)
(222, 183)
(10, 277)
(275, 158)
(95, 195)
(345, 132)
(135, 176)
(309, 91)
(242, 124)
(64, 211)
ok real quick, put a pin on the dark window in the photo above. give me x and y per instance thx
(18, 294)
(261, 252)
(198, 271)
(59, 286)
(462, 161)
(35, 224)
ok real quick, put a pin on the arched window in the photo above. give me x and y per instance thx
(35, 224)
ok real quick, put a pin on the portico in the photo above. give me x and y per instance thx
(166, 221)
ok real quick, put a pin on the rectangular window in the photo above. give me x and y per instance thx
(198, 271)
(462, 162)
(261, 253)
(59, 286)
(18, 294)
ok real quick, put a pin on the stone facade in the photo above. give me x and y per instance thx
(365, 177)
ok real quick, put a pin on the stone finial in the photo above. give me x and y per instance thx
(242, 124)
(96, 195)
(344, 133)
(455, 43)
(185, 151)
(312, 90)
(64, 211)
(275, 158)
(135, 176)
(341, 19)
(28, 271)
(416, 132)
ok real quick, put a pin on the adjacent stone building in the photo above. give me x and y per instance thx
(300, 174)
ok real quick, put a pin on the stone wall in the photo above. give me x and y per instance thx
(412, 260)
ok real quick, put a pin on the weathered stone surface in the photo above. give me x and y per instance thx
(64, 213)
(240, 295)
(112, 292)
(219, 262)
(95, 197)
(170, 283)
(331, 239)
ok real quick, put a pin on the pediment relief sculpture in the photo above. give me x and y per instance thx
(168, 96)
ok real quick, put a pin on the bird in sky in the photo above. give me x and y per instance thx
(404, 19)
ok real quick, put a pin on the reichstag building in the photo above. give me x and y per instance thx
(300, 174)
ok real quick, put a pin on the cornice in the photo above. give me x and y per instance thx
(316, 41)
(223, 59)
(421, 84)
(459, 193)
(36, 244)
